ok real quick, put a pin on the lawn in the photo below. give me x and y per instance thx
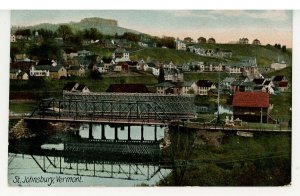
(54, 87)
(193, 76)
(22, 107)
(281, 106)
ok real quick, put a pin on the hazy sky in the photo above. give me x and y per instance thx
(225, 26)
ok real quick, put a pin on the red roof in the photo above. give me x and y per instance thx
(251, 99)
(283, 84)
(127, 88)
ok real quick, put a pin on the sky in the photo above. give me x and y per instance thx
(269, 26)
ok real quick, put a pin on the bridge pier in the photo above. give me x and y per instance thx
(91, 131)
(129, 137)
(103, 132)
(155, 133)
(77, 132)
(142, 132)
(116, 133)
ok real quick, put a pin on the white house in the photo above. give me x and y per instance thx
(173, 75)
(278, 66)
(169, 65)
(165, 88)
(82, 88)
(40, 71)
(100, 67)
(141, 65)
(180, 45)
(154, 67)
(203, 86)
(121, 55)
(189, 87)
(23, 76)
(69, 55)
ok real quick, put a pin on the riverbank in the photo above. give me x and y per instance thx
(220, 159)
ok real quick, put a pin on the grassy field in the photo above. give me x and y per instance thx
(205, 76)
(281, 106)
(22, 106)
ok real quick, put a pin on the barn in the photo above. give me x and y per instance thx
(251, 106)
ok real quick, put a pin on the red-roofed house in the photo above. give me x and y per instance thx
(283, 86)
(251, 106)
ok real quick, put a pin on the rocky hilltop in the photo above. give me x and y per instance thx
(105, 26)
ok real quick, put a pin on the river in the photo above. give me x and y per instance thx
(88, 167)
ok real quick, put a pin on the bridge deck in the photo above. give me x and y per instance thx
(99, 120)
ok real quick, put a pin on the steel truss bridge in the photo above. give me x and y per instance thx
(124, 108)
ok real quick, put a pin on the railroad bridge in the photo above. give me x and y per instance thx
(123, 108)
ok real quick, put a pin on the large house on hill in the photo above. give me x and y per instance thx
(180, 45)
(203, 86)
(76, 71)
(121, 55)
(178, 88)
(244, 40)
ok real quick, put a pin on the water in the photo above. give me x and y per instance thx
(90, 167)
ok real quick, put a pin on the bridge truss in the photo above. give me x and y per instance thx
(118, 107)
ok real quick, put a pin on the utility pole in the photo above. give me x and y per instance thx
(218, 117)
(261, 116)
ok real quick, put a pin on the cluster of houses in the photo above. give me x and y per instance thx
(271, 85)
(187, 45)
(218, 53)
(230, 85)
(245, 40)
(76, 64)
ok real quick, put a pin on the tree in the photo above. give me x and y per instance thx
(64, 31)
(131, 37)
(46, 34)
(283, 48)
(23, 32)
(169, 42)
(75, 39)
(92, 33)
(278, 46)
(13, 51)
(96, 75)
(46, 51)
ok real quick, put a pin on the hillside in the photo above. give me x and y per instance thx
(163, 54)
(265, 55)
(105, 26)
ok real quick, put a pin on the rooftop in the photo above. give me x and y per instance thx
(251, 99)
(69, 86)
(127, 88)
